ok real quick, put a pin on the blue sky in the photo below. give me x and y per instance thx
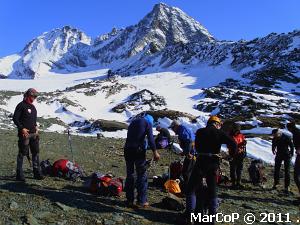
(22, 20)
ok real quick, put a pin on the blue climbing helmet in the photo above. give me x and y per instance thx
(149, 119)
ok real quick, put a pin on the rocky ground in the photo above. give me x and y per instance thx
(57, 201)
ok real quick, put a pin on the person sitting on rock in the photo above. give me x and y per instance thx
(163, 139)
(283, 148)
(135, 157)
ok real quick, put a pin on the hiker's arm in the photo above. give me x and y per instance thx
(274, 146)
(151, 142)
(291, 145)
(197, 141)
(16, 117)
(231, 144)
(150, 138)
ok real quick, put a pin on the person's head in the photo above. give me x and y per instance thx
(291, 126)
(214, 121)
(30, 95)
(236, 129)
(158, 127)
(174, 125)
(276, 133)
(149, 119)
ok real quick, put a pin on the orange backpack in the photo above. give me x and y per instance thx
(241, 143)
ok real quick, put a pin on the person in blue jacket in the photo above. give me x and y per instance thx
(135, 157)
(186, 141)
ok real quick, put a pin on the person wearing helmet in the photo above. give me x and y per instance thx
(25, 117)
(186, 141)
(283, 149)
(135, 157)
(236, 164)
(208, 144)
(296, 140)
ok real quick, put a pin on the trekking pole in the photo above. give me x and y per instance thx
(70, 145)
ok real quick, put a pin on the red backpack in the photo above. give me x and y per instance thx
(105, 185)
(66, 169)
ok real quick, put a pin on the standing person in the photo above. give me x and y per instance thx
(135, 156)
(296, 140)
(237, 162)
(208, 145)
(283, 148)
(25, 117)
(186, 141)
(163, 139)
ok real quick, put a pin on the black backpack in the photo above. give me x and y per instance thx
(256, 173)
(46, 167)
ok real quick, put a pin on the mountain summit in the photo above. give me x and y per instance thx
(165, 39)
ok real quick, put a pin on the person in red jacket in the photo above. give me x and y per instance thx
(237, 162)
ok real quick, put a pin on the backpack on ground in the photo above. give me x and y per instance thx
(46, 167)
(256, 172)
(172, 186)
(172, 202)
(221, 178)
(105, 185)
(115, 187)
(66, 169)
(176, 168)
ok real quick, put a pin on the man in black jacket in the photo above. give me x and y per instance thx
(296, 140)
(25, 117)
(283, 148)
(208, 144)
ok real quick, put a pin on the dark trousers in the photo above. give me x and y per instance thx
(25, 144)
(297, 172)
(206, 167)
(187, 169)
(287, 163)
(236, 168)
(141, 183)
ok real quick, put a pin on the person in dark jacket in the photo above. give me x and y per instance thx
(135, 156)
(163, 139)
(208, 145)
(283, 148)
(186, 141)
(25, 117)
(296, 140)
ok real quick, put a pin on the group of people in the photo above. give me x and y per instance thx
(202, 159)
(201, 152)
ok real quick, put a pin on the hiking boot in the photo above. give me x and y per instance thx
(143, 205)
(38, 177)
(239, 186)
(287, 190)
(130, 205)
(20, 178)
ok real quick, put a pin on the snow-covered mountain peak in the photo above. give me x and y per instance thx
(173, 25)
(40, 53)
